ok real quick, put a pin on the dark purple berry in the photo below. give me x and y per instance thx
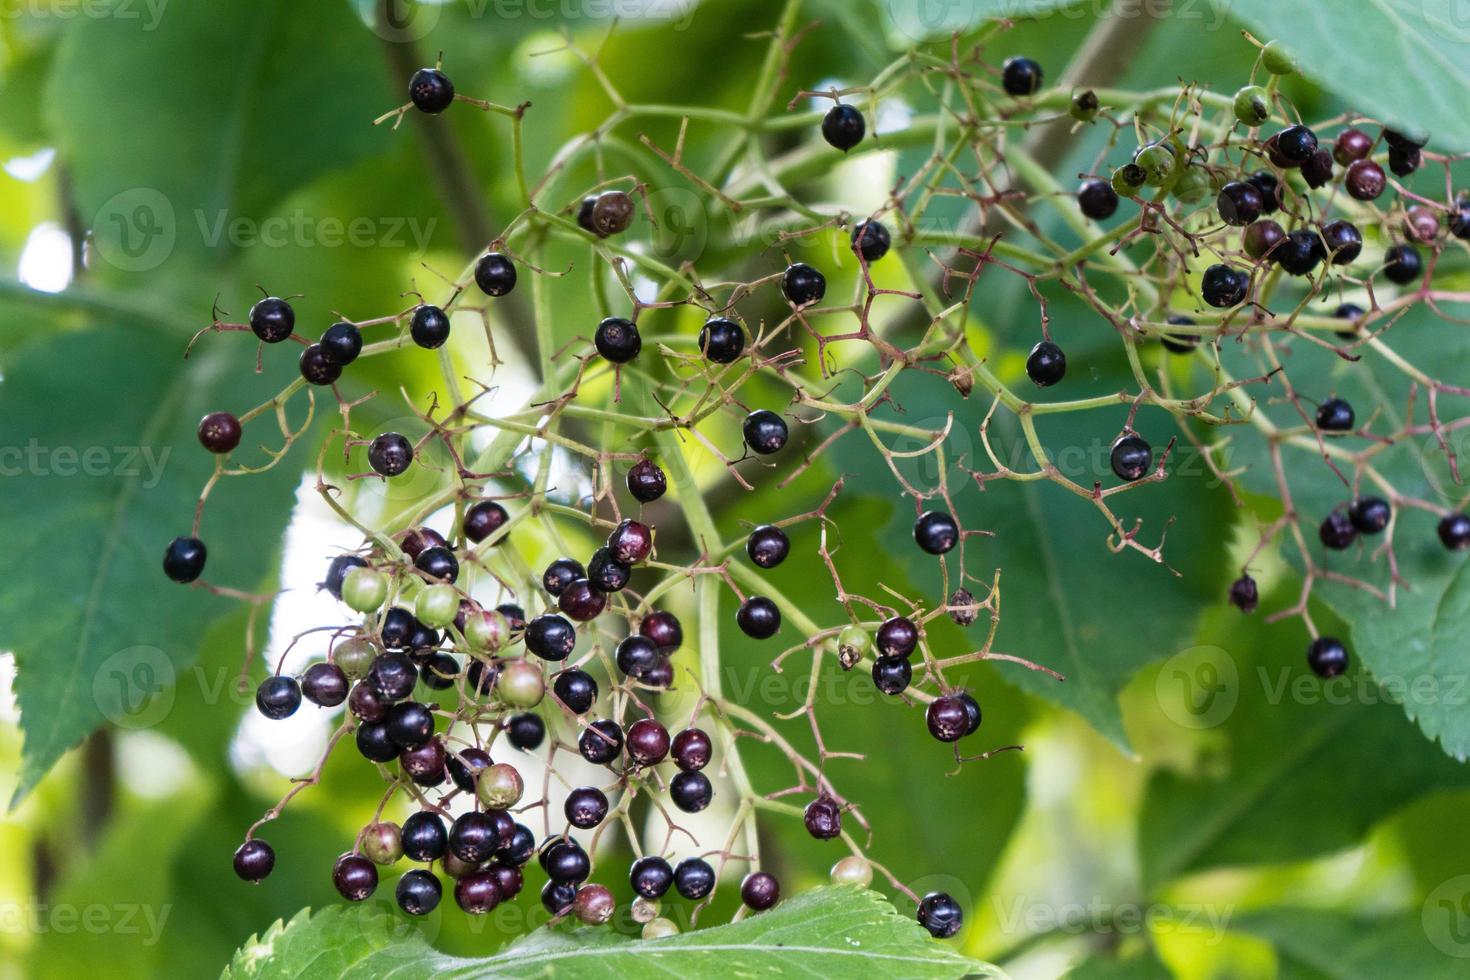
(341, 342)
(1046, 364)
(278, 697)
(940, 915)
(843, 127)
(1337, 531)
(484, 519)
(691, 791)
(692, 749)
(760, 891)
(219, 432)
(1020, 76)
(802, 285)
(758, 618)
(429, 327)
(576, 689)
(765, 431)
(1243, 594)
(768, 546)
(317, 366)
(617, 339)
(430, 90)
(936, 532)
(1131, 457)
(646, 482)
(390, 454)
(694, 878)
(418, 892)
(561, 573)
(823, 818)
(1327, 657)
(254, 860)
(721, 340)
(495, 274)
(601, 742)
(551, 637)
(183, 559)
(354, 877)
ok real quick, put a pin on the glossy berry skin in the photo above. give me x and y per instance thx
(1402, 264)
(594, 905)
(439, 672)
(606, 573)
(972, 711)
(948, 718)
(418, 892)
(601, 742)
(392, 676)
(1020, 76)
(1365, 180)
(1370, 515)
(1261, 238)
(940, 915)
(581, 601)
(1243, 594)
(617, 339)
(721, 340)
(373, 742)
(1270, 187)
(636, 655)
(767, 546)
(1300, 253)
(1239, 203)
(760, 891)
(664, 629)
(823, 818)
(892, 675)
(254, 860)
(430, 90)
(1317, 171)
(648, 742)
(1223, 286)
(586, 807)
(354, 877)
(1335, 415)
(871, 239)
(630, 542)
(1337, 531)
(692, 749)
(317, 366)
(1351, 144)
(1327, 657)
(1046, 364)
(691, 791)
(272, 319)
(576, 689)
(424, 836)
(694, 878)
(425, 764)
(416, 541)
(551, 637)
(765, 432)
(1295, 145)
(410, 724)
(1131, 457)
(438, 563)
(341, 342)
(526, 731)
(802, 285)
(646, 481)
(495, 274)
(477, 892)
(517, 848)
(1343, 241)
(897, 637)
(936, 532)
(366, 704)
(651, 877)
(278, 697)
(1454, 531)
(843, 127)
(183, 559)
(429, 326)
(758, 618)
(561, 573)
(558, 897)
(219, 432)
(484, 519)
(1404, 160)
(390, 454)
(324, 684)
(1097, 199)
(567, 863)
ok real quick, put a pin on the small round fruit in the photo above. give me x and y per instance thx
(823, 818)
(871, 239)
(486, 631)
(691, 791)
(758, 618)
(617, 339)
(1350, 145)
(382, 842)
(648, 742)
(1343, 241)
(521, 684)
(1252, 105)
(561, 573)
(183, 559)
(721, 340)
(852, 870)
(601, 742)
(390, 454)
(760, 891)
(1224, 286)
(317, 367)
(342, 342)
(1337, 531)
(1131, 457)
(1370, 515)
(1365, 180)
(1020, 76)
(1046, 364)
(630, 542)
(852, 645)
(1293, 146)
(581, 601)
(843, 127)
(576, 689)
(499, 786)
(897, 637)
(254, 860)
(664, 629)
(767, 546)
(430, 90)
(636, 655)
(558, 896)
(646, 481)
(1239, 203)
(425, 764)
(354, 877)
(429, 326)
(278, 697)
(1159, 162)
(272, 319)
(586, 807)
(940, 915)
(606, 573)
(1276, 59)
(1327, 657)
(219, 432)
(651, 877)
(1402, 264)
(477, 892)
(1244, 595)
(1129, 179)
(566, 862)
(1422, 224)
(495, 274)
(594, 905)
(438, 564)
(765, 432)
(936, 532)
(418, 892)
(1300, 253)
(1317, 171)
(1270, 187)
(1403, 161)
(526, 731)
(948, 718)
(1454, 531)
(424, 836)
(1335, 415)
(324, 684)
(892, 675)
(1097, 199)
(465, 765)
(802, 285)
(551, 637)
(364, 589)
(694, 878)
(1175, 343)
(484, 519)
(691, 749)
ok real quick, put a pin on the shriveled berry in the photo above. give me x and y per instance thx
(1243, 593)
(823, 818)
(1317, 171)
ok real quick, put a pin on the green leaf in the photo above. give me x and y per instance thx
(97, 484)
(825, 931)
(1313, 944)
(1417, 81)
(928, 19)
(1142, 965)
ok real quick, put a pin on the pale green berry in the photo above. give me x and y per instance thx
(659, 928)
(1277, 59)
(355, 655)
(852, 870)
(1252, 105)
(364, 589)
(499, 787)
(437, 605)
(521, 684)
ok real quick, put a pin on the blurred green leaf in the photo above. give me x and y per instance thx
(1143, 965)
(1314, 944)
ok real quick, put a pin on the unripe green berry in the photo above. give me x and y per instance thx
(383, 842)
(1193, 185)
(852, 644)
(1252, 105)
(499, 787)
(659, 928)
(1278, 59)
(1129, 179)
(364, 589)
(436, 606)
(354, 656)
(1159, 163)
(486, 631)
(1084, 106)
(852, 870)
(521, 684)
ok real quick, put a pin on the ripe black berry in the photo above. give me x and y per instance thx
(425, 764)
(567, 863)
(940, 914)
(823, 818)
(586, 807)
(630, 542)
(871, 239)
(721, 340)
(1369, 515)
(576, 689)
(324, 684)
(278, 697)
(254, 860)
(1131, 457)
(691, 791)
(317, 366)
(694, 878)
(478, 892)
(803, 285)
(392, 676)
(1224, 286)
(765, 431)
(768, 546)
(1402, 264)
(617, 339)
(561, 573)
(972, 711)
(948, 718)
(1293, 146)
(439, 672)
(581, 601)
(272, 319)
(1181, 343)
(691, 749)
(646, 482)
(438, 563)
(1404, 160)
(465, 765)
(430, 90)
(651, 877)
(1454, 531)
(473, 837)
(1365, 180)
(601, 742)
(390, 454)
(1351, 144)
(1097, 199)
(495, 274)
(1270, 187)
(892, 675)
(558, 896)
(410, 724)
(1300, 253)
(1327, 657)
(664, 629)
(1239, 203)
(484, 519)
(1261, 238)
(374, 742)
(936, 532)
(1020, 76)
(760, 891)
(1337, 531)
(1335, 415)
(429, 327)
(606, 573)
(843, 127)
(1046, 364)
(526, 731)
(424, 836)
(219, 432)
(341, 342)
(354, 877)
(758, 618)
(1317, 171)
(418, 892)
(610, 212)
(517, 848)
(1244, 594)
(1349, 311)
(636, 655)
(183, 559)
(1343, 241)
(897, 637)
(648, 742)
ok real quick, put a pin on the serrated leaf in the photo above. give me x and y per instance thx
(824, 932)
(1314, 944)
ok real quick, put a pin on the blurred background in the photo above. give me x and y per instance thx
(1191, 812)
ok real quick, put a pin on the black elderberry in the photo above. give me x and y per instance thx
(1337, 531)
(425, 764)
(473, 837)
(1351, 144)
(484, 519)
(1403, 161)
(1349, 311)
(438, 563)
(324, 684)
(1224, 286)
(272, 319)
(647, 742)
(1327, 657)
(1179, 343)
(758, 618)
(390, 454)
(1300, 253)
(897, 636)
(765, 432)
(1243, 593)
(1369, 515)
(664, 629)
(606, 573)
(636, 655)
(617, 339)
(581, 601)
(430, 90)
(1343, 241)
(1239, 203)
(767, 546)
(465, 765)
(1084, 106)
(254, 860)
(1294, 146)
(354, 877)
(892, 675)
(374, 742)
(420, 538)
(802, 285)
(1269, 186)
(317, 366)
(940, 915)
(694, 878)
(410, 724)
(823, 818)
(1317, 171)
(439, 672)
(1046, 364)
(651, 877)
(1365, 180)
(630, 542)
(418, 892)
(601, 742)
(1454, 531)
(843, 127)
(1335, 415)
(947, 718)
(561, 573)
(576, 689)
(871, 239)
(936, 532)
(478, 892)
(341, 342)
(337, 571)
(691, 749)
(429, 327)
(1261, 238)
(366, 703)
(424, 836)
(1020, 76)
(972, 711)
(495, 274)
(646, 481)
(691, 791)
(517, 847)
(183, 559)
(219, 432)
(278, 697)
(586, 807)
(1402, 264)
(558, 896)
(1097, 199)
(566, 862)
(721, 340)
(393, 676)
